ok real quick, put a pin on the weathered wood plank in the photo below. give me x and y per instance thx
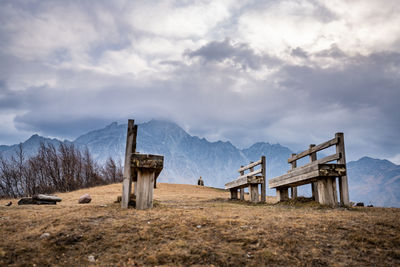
(314, 186)
(253, 173)
(320, 161)
(244, 182)
(130, 148)
(145, 184)
(263, 184)
(325, 191)
(251, 165)
(317, 148)
(254, 193)
(46, 198)
(306, 175)
(343, 183)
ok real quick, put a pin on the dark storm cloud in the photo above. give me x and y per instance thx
(240, 54)
(67, 68)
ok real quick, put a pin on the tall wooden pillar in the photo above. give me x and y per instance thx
(264, 175)
(343, 183)
(130, 148)
(241, 189)
(314, 186)
(253, 189)
(293, 189)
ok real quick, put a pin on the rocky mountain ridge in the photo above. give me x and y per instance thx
(187, 157)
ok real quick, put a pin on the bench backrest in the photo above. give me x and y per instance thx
(340, 156)
(250, 168)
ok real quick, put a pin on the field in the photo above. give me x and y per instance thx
(192, 225)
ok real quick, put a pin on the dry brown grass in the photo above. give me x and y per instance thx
(193, 225)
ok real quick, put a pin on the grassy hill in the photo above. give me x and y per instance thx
(195, 225)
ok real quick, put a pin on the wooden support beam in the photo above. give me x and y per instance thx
(241, 189)
(234, 193)
(282, 194)
(325, 191)
(343, 183)
(254, 193)
(264, 175)
(293, 190)
(314, 186)
(145, 184)
(130, 148)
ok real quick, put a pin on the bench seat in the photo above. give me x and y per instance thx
(244, 181)
(306, 175)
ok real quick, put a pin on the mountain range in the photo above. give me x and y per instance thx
(372, 181)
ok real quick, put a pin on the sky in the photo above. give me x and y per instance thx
(292, 72)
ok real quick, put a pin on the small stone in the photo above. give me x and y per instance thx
(91, 258)
(198, 226)
(85, 199)
(45, 236)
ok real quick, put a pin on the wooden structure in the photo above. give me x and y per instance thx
(142, 169)
(251, 180)
(319, 173)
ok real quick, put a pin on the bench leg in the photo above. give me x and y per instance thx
(254, 193)
(144, 192)
(314, 190)
(325, 191)
(282, 194)
(293, 192)
(234, 193)
(344, 191)
(241, 193)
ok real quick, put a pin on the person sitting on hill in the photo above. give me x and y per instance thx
(200, 182)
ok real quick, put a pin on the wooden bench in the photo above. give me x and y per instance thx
(251, 180)
(142, 170)
(319, 173)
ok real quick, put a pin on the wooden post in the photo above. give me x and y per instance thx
(264, 175)
(254, 193)
(314, 186)
(282, 194)
(241, 189)
(253, 189)
(294, 188)
(234, 193)
(343, 183)
(145, 184)
(325, 191)
(130, 148)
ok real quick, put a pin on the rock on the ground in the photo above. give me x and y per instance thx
(45, 235)
(85, 199)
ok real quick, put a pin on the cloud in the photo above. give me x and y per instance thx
(292, 72)
(240, 54)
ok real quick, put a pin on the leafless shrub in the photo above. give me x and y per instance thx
(63, 168)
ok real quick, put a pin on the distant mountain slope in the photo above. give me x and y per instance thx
(188, 157)
(374, 181)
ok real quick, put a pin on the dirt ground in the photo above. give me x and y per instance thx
(192, 225)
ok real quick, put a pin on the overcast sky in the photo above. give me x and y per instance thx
(290, 72)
